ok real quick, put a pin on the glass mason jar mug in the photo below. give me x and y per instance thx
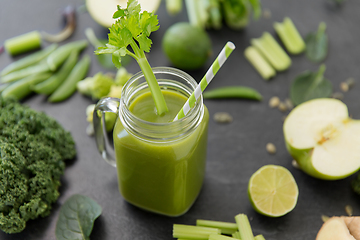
(160, 166)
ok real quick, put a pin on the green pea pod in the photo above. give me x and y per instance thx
(56, 58)
(25, 72)
(22, 88)
(28, 60)
(233, 92)
(48, 86)
(68, 87)
(3, 86)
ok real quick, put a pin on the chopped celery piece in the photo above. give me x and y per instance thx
(272, 51)
(259, 237)
(260, 64)
(197, 12)
(193, 232)
(220, 237)
(23, 43)
(244, 227)
(290, 36)
(225, 227)
(236, 235)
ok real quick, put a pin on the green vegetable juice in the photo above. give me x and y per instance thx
(163, 176)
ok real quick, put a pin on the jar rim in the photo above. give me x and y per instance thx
(186, 123)
(162, 70)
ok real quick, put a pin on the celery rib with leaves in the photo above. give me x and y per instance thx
(132, 29)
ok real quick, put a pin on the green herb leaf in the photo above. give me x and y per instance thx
(310, 85)
(133, 29)
(76, 218)
(317, 44)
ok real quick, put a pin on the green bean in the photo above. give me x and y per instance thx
(56, 58)
(68, 87)
(48, 86)
(23, 43)
(233, 92)
(28, 60)
(25, 72)
(22, 88)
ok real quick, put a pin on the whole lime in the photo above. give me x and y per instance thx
(187, 47)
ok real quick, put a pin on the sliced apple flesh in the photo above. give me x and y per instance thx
(322, 138)
(102, 11)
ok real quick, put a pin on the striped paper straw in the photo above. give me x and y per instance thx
(219, 61)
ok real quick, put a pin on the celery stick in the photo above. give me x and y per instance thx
(132, 29)
(193, 232)
(196, 13)
(272, 51)
(220, 237)
(236, 235)
(23, 43)
(192, 236)
(259, 237)
(290, 36)
(244, 227)
(225, 227)
(259, 63)
(277, 50)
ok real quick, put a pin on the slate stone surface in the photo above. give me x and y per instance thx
(235, 150)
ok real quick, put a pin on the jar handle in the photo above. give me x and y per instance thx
(104, 105)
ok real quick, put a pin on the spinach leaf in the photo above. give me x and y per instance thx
(310, 85)
(76, 218)
(317, 44)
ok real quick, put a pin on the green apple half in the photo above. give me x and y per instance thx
(102, 11)
(323, 139)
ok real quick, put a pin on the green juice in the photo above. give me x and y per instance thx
(161, 176)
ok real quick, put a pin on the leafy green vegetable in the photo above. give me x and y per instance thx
(310, 85)
(133, 29)
(103, 85)
(96, 87)
(122, 76)
(33, 148)
(76, 218)
(104, 60)
(317, 44)
(237, 12)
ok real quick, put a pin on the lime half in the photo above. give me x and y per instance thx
(273, 191)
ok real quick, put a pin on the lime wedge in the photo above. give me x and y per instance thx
(273, 191)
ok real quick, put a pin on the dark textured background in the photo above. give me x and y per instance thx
(235, 150)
